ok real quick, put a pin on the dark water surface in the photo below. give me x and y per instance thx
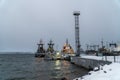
(27, 67)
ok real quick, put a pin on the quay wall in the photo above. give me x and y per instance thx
(88, 63)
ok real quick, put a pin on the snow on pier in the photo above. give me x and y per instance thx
(105, 72)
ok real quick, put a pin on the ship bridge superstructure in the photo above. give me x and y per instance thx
(50, 47)
(40, 47)
(67, 48)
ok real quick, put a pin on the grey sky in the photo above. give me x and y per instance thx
(24, 22)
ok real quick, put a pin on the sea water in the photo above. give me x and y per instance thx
(27, 67)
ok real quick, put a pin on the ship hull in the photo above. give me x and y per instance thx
(40, 55)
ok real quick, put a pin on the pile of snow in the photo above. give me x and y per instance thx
(106, 72)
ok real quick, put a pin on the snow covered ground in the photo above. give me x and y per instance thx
(106, 72)
(105, 58)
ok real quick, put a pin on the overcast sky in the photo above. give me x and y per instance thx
(24, 22)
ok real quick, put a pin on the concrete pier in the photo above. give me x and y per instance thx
(88, 63)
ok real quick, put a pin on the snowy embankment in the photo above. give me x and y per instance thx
(105, 58)
(92, 57)
(106, 72)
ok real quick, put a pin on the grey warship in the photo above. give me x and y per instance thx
(40, 51)
(50, 52)
(50, 47)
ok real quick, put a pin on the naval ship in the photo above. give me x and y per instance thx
(50, 52)
(40, 51)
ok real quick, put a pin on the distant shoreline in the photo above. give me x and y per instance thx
(16, 52)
